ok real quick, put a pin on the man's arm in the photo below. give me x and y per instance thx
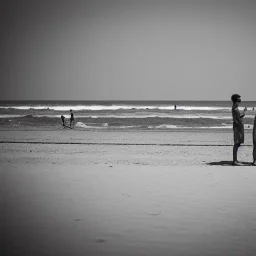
(242, 115)
(237, 117)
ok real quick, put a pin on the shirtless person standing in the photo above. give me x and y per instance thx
(254, 142)
(238, 126)
(72, 119)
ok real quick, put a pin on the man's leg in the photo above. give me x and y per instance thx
(235, 149)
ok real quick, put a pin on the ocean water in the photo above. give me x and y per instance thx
(128, 115)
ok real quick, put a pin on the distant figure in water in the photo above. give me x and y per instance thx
(238, 126)
(63, 120)
(175, 107)
(254, 142)
(72, 119)
(253, 108)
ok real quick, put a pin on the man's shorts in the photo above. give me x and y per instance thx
(238, 133)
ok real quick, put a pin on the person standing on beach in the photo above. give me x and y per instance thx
(63, 120)
(254, 142)
(238, 126)
(72, 119)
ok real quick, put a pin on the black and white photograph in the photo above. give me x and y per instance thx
(128, 127)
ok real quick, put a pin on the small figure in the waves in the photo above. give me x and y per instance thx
(254, 142)
(63, 120)
(175, 107)
(253, 108)
(72, 119)
(238, 126)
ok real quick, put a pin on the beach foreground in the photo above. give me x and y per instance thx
(126, 193)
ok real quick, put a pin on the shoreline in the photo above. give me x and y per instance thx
(134, 136)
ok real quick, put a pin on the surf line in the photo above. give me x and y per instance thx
(119, 144)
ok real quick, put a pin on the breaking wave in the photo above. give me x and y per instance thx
(221, 117)
(114, 107)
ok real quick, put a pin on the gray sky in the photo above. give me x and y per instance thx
(127, 50)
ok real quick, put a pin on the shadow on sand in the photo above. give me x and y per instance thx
(229, 163)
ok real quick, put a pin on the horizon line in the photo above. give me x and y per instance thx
(5, 100)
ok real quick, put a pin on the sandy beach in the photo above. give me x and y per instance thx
(116, 128)
(71, 192)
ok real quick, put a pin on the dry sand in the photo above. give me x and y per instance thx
(125, 193)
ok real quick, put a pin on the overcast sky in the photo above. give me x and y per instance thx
(127, 50)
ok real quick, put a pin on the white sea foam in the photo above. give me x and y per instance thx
(166, 126)
(117, 107)
(127, 126)
(94, 126)
(203, 108)
(10, 116)
(82, 125)
(104, 125)
(213, 127)
(246, 127)
(80, 107)
(162, 126)
(181, 116)
(26, 107)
